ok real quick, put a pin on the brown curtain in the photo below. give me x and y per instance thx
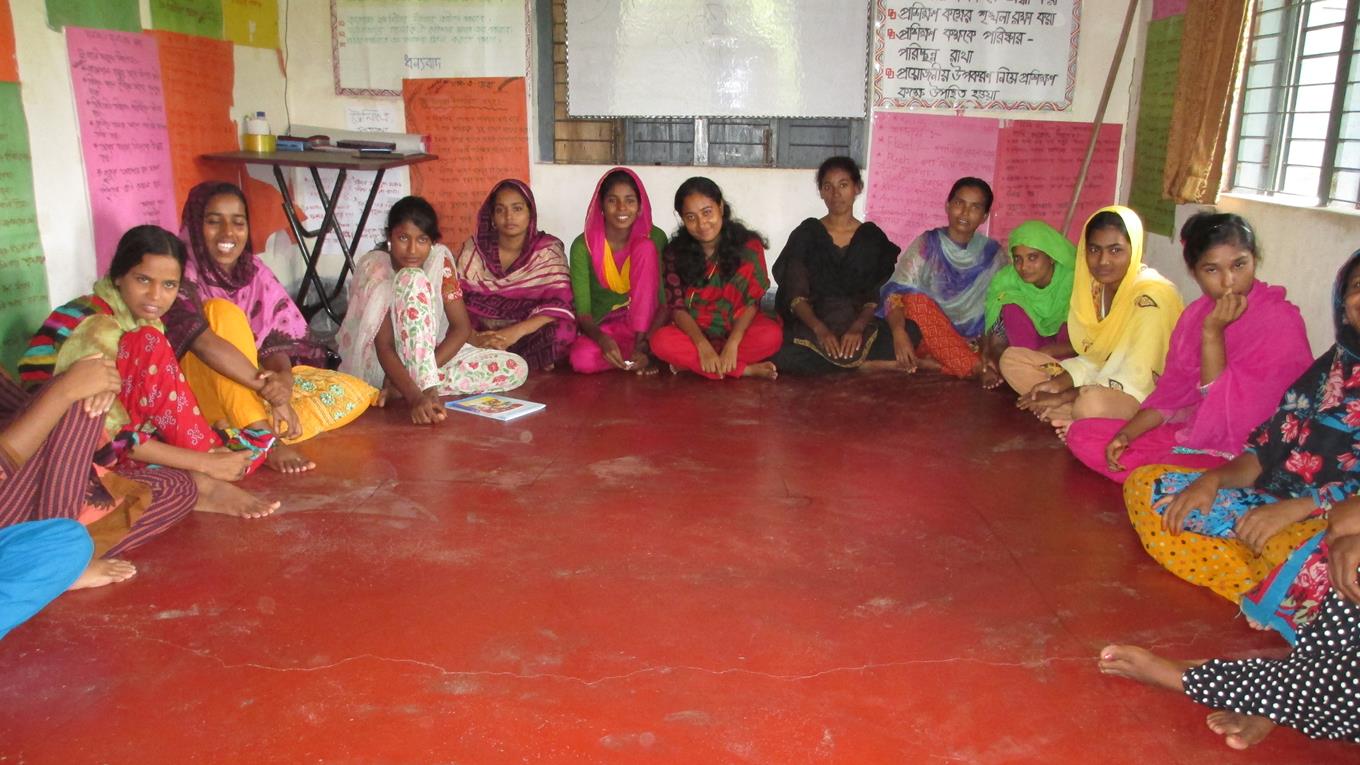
(1211, 47)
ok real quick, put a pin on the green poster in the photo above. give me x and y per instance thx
(122, 15)
(191, 17)
(1161, 65)
(23, 274)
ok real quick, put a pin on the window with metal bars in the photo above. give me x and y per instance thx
(1298, 121)
(700, 141)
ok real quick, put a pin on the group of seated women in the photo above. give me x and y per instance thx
(189, 367)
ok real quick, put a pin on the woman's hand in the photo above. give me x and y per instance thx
(1261, 523)
(93, 381)
(226, 465)
(277, 388)
(427, 410)
(1227, 310)
(1199, 495)
(708, 358)
(1043, 397)
(1114, 450)
(851, 342)
(904, 350)
(1343, 558)
(727, 360)
(286, 422)
(611, 352)
(831, 345)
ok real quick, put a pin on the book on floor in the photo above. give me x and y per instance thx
(501, 408)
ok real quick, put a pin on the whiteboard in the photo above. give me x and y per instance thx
(737, 58)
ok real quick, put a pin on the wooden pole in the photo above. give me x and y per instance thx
(1100, 111)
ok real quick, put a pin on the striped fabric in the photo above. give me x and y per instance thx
(38, 363)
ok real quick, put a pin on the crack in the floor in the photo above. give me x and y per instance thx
(665, 669)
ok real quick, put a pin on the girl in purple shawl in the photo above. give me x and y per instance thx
(1233, 353)
(516, 284)
(245, 333)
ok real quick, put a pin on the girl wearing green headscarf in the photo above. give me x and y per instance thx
(1027, 301)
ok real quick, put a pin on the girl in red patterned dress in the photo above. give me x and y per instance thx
(714, 277)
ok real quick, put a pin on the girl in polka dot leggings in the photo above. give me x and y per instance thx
(1316, 688)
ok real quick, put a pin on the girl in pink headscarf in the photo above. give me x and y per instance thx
(616, 277)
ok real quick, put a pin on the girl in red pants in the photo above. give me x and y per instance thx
(714, 278)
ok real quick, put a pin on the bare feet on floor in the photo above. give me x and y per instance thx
(1144, 666)
(927, 364)
(1240, 731)
(286, 459)
(102, 571)
(216, 496)
(1060, 428)
(765, 370)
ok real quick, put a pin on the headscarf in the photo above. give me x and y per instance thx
(1045, 306)
(1096, 337)
(274, 318)
(537, 283)
(488, 240)
(636, 270)
(954, 276)
(1309, 448)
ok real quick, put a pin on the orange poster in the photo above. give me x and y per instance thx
(479, 128)
(196, 76)
(9, 67)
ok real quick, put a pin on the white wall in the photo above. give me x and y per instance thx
(1303, 246)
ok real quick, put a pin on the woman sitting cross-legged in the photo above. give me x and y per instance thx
(940, 285)
(1119, 319)
(1027, 301)
(830, 274)
(1233, 353)
(713, 289)
(516, 285)
(407, 324)
(616, 278)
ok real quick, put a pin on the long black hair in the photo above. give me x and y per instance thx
(689, 254)
(140, 241)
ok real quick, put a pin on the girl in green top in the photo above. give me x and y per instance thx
(616, 278)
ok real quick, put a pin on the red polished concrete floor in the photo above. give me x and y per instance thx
(854, 571)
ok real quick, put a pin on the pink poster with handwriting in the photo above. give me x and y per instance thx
(123, 138)
(914, 159)
(1037, 165)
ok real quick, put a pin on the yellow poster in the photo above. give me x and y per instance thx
(251, 22)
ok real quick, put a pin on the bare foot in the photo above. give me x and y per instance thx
(1240, 731)
(765, 370)
(102, 571)
(928, 365)
(1060, 428)
(674, 369)
(216, 496)
(880, 366)
(286, 459)
(1144, 666)
(990, 378)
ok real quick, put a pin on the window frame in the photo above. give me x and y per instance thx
(778, 148)
(1281, 111)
